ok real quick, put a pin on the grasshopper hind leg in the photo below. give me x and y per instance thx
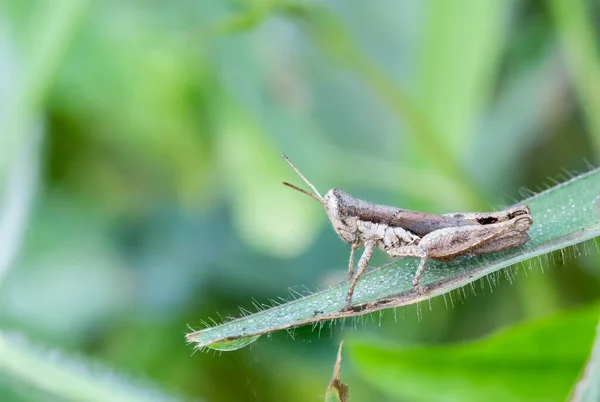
(419, 272)
(411, 251)
(448, 243)
(502, 243)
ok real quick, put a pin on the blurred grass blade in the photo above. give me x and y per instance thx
(575, 24)
(331, 37)
(501, 368)
(455, 83)
(66, 379)
(564, 215)
(17, 200)
(588, 388)
(337, 391)
(53, 25)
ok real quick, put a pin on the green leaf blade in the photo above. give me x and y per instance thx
(588, 387)
(563, 215)
(538, 360)
(53, 374)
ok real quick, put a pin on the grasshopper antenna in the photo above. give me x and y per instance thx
(317, 196)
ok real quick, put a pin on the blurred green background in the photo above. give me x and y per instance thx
(141, 172)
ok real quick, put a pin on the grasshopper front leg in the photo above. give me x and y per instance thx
(363, 263)
(353, 249)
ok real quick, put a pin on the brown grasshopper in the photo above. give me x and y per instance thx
(404, 233)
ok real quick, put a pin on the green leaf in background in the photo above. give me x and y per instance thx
(588, 388)
(169, 144)
(66, 378)
(564, 215)
(575, 26)
(52, 27)
(331, 37)
(457, 74)
(536, 361)
(241, 144)
(17, 198)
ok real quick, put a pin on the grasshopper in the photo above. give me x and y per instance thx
(404, 233)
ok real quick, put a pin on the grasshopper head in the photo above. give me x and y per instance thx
(341, 211)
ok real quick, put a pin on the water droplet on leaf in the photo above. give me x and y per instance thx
(234, 345)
